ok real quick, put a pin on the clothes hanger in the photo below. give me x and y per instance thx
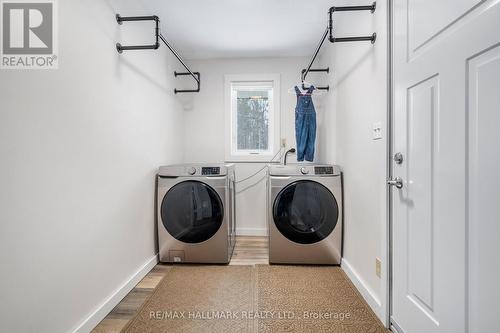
(307, 85)
(303, 83)
(299, 85)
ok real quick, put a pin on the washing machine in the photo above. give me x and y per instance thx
(196, 213)
(305, 214)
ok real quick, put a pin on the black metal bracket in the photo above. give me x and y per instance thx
(176, 74)
(308, 69)
(326, 70)
(329, 33)
(332, 10)
(120, 48)
(195, 76)
(158, 36)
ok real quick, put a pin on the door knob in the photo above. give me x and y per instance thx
(398, 182)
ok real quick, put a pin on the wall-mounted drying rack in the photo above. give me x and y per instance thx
(158, 36)
(329, 33)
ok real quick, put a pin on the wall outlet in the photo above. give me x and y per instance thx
(283, 142)
(378, 267)
(377, 131)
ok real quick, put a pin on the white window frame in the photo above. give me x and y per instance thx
(232, 155)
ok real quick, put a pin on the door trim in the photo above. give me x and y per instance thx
(390, 152)
(395, 327)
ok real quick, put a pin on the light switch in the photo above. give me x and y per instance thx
(377, 131)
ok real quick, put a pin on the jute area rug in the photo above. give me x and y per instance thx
(260, 298)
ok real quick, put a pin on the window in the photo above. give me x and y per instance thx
(252, 117)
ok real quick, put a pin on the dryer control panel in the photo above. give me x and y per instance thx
(304, 169)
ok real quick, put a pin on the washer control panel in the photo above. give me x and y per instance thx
(210, 171)
(323, 170)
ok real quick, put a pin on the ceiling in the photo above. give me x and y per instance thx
(204, 29)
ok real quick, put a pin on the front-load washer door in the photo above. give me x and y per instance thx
(192, 211)
(305, 212)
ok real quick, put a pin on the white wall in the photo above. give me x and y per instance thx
(358, 100)
(80, 146)
(204, 128)
(79, 149)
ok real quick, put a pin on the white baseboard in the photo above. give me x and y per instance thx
(365, 291)
(251, 231)
(102, 310)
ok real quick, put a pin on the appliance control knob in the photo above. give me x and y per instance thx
(304, 170)
(192, 170)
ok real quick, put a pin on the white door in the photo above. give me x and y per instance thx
(446, 125)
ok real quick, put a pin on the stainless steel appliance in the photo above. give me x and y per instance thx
(305, 214)
(196, 213)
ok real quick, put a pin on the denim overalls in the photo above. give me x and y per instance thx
(305, 125)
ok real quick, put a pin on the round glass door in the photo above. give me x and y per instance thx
(192, 212)
(305, 212)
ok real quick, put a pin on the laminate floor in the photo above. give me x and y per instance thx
(249, 250)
